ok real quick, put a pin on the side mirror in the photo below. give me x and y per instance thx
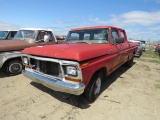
(46, 38)
(119, 40)
(60, 38)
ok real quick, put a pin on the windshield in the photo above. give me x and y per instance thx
(3, 34)
(88, 36)
(26, 35)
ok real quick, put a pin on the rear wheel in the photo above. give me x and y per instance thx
(130, 62)
(93, 89)
(13, 67)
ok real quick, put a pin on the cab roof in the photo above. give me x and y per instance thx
(95, 27)
(8, 30)
(36, 29)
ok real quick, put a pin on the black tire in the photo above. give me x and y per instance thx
(130, 62)
(140, 55)
(93, 89)
(13, 67)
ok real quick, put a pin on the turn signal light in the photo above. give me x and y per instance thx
(72, 79)
(85, 64)
(27, 66)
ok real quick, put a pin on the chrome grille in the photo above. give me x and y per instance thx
(46, 67)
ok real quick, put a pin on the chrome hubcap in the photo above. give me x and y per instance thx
(15, 68)
(97, 86)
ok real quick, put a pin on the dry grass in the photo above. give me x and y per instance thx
(157, 85)
(149, 54)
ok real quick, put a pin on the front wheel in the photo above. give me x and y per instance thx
(13, 67)
(93, 89)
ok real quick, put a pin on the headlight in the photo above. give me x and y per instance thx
(25, 60)
(71, 70)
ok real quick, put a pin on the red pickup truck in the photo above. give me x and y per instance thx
(81, 63)
(157, 49)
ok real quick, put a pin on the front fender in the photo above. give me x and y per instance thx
(95, 65)
(2, 60)
(4, 56)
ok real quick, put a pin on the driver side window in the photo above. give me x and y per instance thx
(74, 36)
(41, 35)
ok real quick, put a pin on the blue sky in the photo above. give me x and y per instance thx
(140, 18)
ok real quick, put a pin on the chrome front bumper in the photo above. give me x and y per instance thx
(55, 84)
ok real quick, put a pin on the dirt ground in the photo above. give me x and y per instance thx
(128, 94)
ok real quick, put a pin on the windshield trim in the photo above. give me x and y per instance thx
(98, 35)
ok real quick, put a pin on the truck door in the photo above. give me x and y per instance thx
(125, 47)
(119, 51)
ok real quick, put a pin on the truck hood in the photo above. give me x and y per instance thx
(10, 45)
(77, 52)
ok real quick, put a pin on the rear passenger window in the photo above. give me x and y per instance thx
(114, 36)
(122, 34)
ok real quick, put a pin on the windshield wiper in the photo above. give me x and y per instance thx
(83, 42)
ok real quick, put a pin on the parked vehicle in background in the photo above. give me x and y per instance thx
(60, 39)
(7, 34)
(140, 48)
(142, 41)
(143, 44)
(10, 50)
(81, 64)
(157, 49)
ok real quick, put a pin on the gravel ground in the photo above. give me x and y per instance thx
(128, 94)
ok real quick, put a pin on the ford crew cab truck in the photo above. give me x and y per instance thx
(7, 34)
(10, 50)
(81, 64)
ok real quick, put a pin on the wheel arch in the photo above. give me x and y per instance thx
(102, 70)
(89, 88)
(9, 60)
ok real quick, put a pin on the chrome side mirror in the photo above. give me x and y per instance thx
(46, 38)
